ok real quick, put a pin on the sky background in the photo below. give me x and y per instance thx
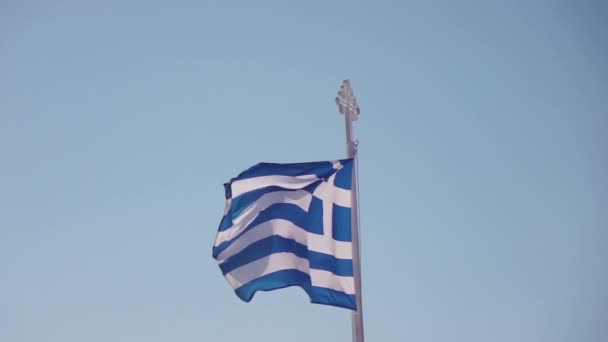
(483, 164)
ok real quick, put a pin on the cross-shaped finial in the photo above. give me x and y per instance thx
(347, 102)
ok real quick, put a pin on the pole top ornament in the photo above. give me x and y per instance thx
(347, 102)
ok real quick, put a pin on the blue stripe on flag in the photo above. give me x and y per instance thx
(321, 295)
(344, 175)
(262, 248)
(278, 244)
(341, 217)
(321, 169)
(322, 261)
(286, 278)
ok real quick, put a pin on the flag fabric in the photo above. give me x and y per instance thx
(289, 225)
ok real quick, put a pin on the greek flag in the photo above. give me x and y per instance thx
(289, 225)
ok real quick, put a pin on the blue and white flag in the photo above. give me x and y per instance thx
(289, 225)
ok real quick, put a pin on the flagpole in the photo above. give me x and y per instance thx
(347, 104)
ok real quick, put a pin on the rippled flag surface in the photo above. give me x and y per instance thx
(289, 225)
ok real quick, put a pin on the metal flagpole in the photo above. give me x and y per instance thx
(347, 104)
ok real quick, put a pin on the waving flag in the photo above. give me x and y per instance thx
(289, 225)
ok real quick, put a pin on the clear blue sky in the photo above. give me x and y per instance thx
(483, 165)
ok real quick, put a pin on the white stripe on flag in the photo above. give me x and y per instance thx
(286, 261)
(315, 242)
(242, 186)
(300, 198)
